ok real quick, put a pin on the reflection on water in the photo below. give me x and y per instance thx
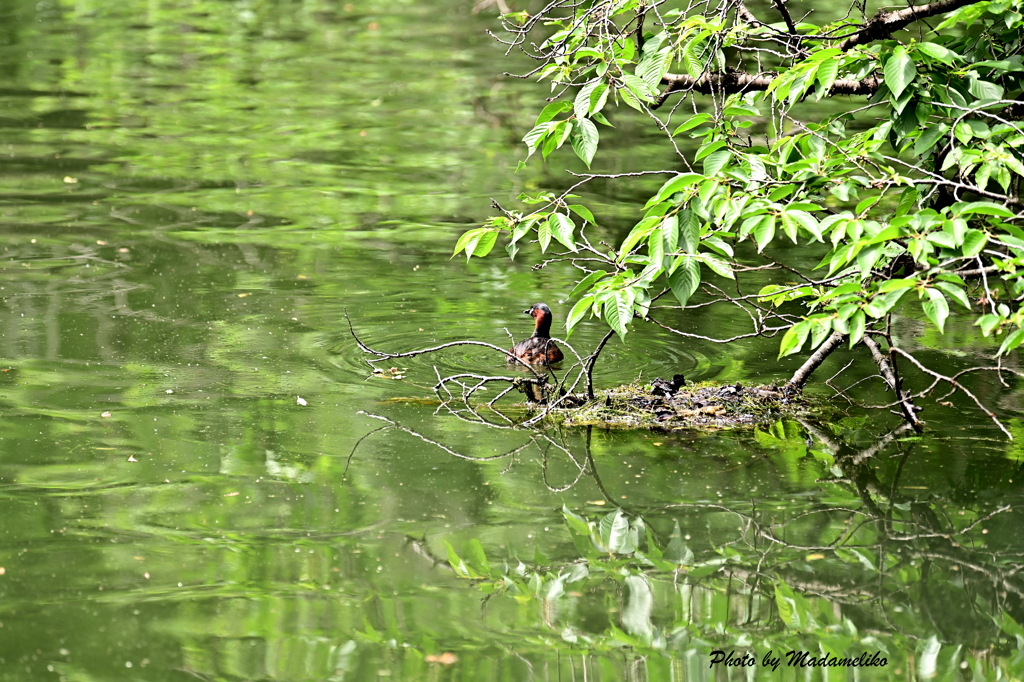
(194, 477)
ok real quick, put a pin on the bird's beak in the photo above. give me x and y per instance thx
(528, 311)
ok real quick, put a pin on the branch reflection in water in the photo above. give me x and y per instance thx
(868, 568)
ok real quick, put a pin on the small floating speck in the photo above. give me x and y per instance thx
(70, 180)
(131, 458)
(168, 391)
(300, 401)
(106, 415)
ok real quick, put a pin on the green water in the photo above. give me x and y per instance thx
(194, 193)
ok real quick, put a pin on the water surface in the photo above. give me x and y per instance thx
(200, 478)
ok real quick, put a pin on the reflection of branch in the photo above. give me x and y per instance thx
(420, 547)
(348, 462)
(949, 535)
(879, 444)
(443, 447)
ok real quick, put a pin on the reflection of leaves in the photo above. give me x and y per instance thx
(677, 550)
(636, 617)
(794, 609)
(614, 531)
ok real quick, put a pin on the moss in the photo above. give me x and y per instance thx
(705, 405)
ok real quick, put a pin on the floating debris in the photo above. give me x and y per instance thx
(392, 373)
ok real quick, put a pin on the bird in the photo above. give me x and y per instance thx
(539, 349)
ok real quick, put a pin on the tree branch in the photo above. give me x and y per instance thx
(884, 366)
(730, 82)
(801, 376)
(884, 24)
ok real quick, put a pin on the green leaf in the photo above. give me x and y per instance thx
(562, 228)
(719, 266)
(583, 212)
(988, 323)
(899, 71)
(636, 87)
(717, 161)
(577, 312)
(598, 98)
(929, 137)
(928, 655)
(709, 148)
(858, 323)
(685, 279)
(937, 52)
(618, 311)
(587, 282)
(581, 105)
(575, 521)
(639, 233)
(656, 250)
(670, 233)
(550, 111)
(1012, 340)
(584, 142)
(936, 308)
(794, 338)
(676, 184)
(558, 136)
(974, 242)
(464, 240)
(535, 136)
(984, 90)
(692, 122)
(985, 208)
(804, 220)
(826, 73)
(544, 234)
(908, 199)
(484, 245)
(689, 231)
(956, 292)
(764, 232)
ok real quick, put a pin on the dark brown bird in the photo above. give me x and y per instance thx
(539, 349)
